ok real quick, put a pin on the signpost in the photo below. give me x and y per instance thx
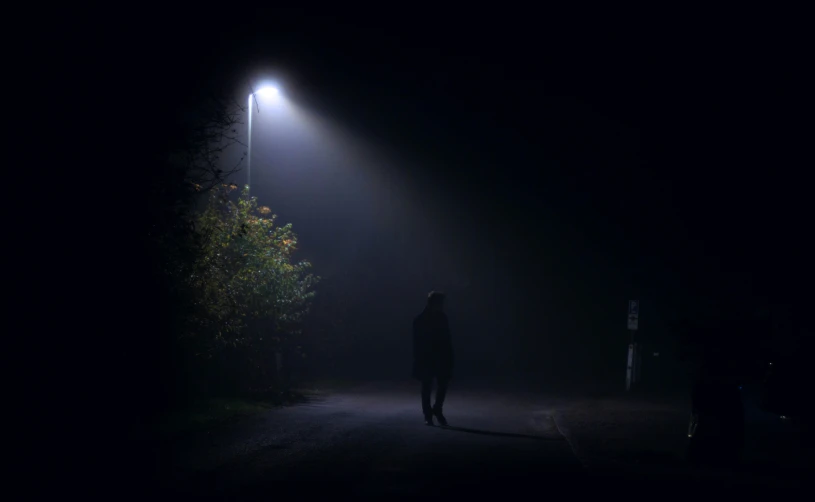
(633, 315)
(632, 368)
(629, 370)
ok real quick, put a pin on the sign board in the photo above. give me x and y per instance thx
(633, 314)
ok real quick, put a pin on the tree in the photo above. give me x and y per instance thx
(244, 280)
(183, 160)
(191, 164)
(224, 278)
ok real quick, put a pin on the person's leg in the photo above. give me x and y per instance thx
(427, 387)
(441, 393)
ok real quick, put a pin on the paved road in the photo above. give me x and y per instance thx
(372, 441)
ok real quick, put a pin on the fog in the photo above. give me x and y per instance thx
(383, 225)
(532, 192)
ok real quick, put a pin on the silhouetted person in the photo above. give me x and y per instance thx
(433, 355)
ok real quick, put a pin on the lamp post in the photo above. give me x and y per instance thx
(272, 92)
(263, 91)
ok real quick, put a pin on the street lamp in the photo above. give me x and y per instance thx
(266, 92)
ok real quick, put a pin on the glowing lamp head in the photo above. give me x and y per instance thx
(268, 92)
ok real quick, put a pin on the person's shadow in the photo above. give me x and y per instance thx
(496, 434)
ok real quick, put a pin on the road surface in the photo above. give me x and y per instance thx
(371, 441)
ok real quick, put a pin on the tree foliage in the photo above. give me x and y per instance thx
(244, 275)
(228, 291)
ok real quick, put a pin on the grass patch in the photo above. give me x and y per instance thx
(323, 387)
(211, 413)
(214, 412)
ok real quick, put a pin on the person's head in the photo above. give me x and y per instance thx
(435, 301)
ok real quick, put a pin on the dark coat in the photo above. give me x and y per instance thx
(432, 346)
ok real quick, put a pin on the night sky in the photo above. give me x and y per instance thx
(542, 176)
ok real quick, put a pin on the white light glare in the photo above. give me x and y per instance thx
(268, 91)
